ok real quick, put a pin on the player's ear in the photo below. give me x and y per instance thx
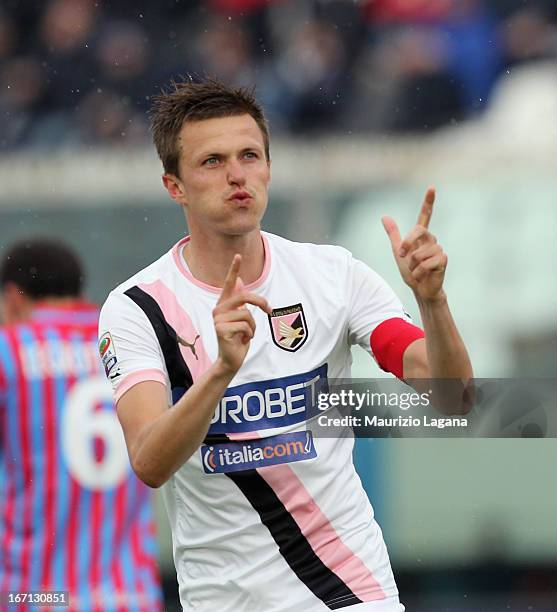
(16, 305)
(175, 187)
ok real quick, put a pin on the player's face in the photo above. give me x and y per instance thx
(224, 175)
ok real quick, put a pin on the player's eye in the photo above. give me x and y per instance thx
(250, 155)
(211, 161)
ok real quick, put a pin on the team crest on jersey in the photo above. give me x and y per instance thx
(288, 327)
(108, 356)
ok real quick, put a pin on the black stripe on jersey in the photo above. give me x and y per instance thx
(293, 545)
(178, 371)
(216, 438)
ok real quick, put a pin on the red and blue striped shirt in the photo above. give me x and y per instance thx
(73, 516)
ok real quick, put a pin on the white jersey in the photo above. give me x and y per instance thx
(264, 516)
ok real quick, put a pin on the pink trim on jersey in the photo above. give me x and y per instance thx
(136, 377)
(244, 435)
(180, 320)
(179, 261)
(320, 533)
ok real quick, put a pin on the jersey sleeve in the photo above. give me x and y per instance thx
(129, 349)
(377, 319)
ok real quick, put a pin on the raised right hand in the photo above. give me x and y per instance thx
(233, 322)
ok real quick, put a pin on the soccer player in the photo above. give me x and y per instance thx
(217, 351)
(73, 516)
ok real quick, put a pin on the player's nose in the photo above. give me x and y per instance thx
(236, 174)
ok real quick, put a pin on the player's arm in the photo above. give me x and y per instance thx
(442, 353)
(422, 264)
(160, 438)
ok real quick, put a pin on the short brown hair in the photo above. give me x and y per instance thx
(187, 100)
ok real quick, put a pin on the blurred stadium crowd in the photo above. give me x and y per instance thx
(80, 72)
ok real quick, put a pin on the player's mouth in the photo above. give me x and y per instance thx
(240, 197)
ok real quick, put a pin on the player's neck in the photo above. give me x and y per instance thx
(57, 302)
(209, 257)
(26, 307)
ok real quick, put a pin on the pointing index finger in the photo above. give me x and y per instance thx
(231, 278)
(392, 230)
(427, 207)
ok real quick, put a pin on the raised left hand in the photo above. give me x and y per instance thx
(420, 259)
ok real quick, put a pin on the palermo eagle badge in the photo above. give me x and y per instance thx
(288, 327)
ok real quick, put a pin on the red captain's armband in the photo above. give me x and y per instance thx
(388, 342)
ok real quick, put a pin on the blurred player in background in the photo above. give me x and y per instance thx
(73, 516)
(264, 517)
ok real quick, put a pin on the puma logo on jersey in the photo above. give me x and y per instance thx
(190, 345)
